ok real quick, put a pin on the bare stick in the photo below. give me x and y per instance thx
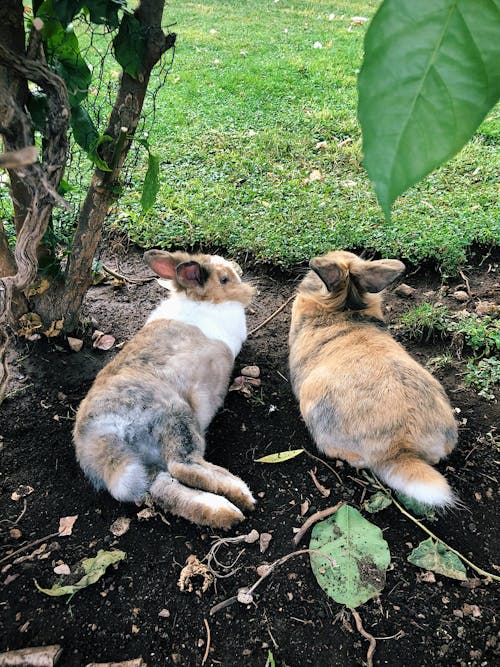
(466, 281)
(119, 276)
(38, 656)
(316, 458)
(27, 546)
(314, 518)
(205, 657)
(272, 316)
(246, 593)
(477, 569)
(323, 490)
(366, 635)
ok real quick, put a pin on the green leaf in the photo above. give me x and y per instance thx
(379, 501)
(84, 130)
(130, 45)
(94, 568)
(66, 10)
(105, 11)
(429, 76)
(279, 457)
(151, 183)
(435, 556)
(63, 54)
(416, 507)
(360, 552)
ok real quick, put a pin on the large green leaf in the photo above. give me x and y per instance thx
(130, 45)
(151, 182)
(360, 552)
(435, 556)
(430, 74)
(84, 130)
(92, 568)
(105, 11)
(66, 10)
(63, 52)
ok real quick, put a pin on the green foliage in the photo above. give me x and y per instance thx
(377, 502)
(360, 552)
(480, 334)
(483, 375)
(92, 568)
(151, 182)
(130, 45)
(237, 127)
(426, 321)
(434, 556)
(416, 507)
(429, 77)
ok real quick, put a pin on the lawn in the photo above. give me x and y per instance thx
(262, 95)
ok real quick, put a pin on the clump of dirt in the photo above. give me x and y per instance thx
(137, 608)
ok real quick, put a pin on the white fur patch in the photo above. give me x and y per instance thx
(219, 321)
(241, 486)
(438, 494)
(219, 503)
(131, 485)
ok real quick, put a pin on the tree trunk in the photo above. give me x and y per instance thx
(64, 299)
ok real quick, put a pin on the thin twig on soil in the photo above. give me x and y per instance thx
(314, 518)
(466, 281)
(272, 316)
(322, 489)
(366, 635)
(316, 458)
(205, 656)
(474, 567)
(247, 592)
(120, 276)
(27, 546)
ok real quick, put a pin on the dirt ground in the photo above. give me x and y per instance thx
(137, 609)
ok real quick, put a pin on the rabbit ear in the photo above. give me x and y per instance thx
(162, 263)
(191, 274)
(329, 272)
(375, 276)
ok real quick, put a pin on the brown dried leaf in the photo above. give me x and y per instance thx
(55, 328)
(29, 324)
(103, 342)
(66, 524)
(39, 287)
(22, 491)
(120, 526)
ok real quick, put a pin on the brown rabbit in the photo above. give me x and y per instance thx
(141, 426)
(363, 398)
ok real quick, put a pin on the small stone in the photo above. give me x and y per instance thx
(405, 290)
(62, 569)
(164, 613)
(244, 596)
(75, 344)
(460, 295)
(251, 371)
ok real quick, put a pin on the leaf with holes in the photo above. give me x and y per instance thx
(279, 457)
(434, 556)
(360, 552)
(416, 507)
(92, 570)
(429, 77)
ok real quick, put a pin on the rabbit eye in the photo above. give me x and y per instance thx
(224, 280)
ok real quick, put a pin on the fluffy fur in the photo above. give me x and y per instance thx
(363, 398)
(141, 426)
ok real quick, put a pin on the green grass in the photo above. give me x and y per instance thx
(236, 128)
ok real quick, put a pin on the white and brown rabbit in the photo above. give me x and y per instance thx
(363, 398)
(141, 426)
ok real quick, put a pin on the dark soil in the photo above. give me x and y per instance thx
(423, 622)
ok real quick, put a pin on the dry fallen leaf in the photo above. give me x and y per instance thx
(193, 568)
(22, 491)
(66, 525)
(315, 175)
(102, 341)
(120, 526)
(55, 328)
